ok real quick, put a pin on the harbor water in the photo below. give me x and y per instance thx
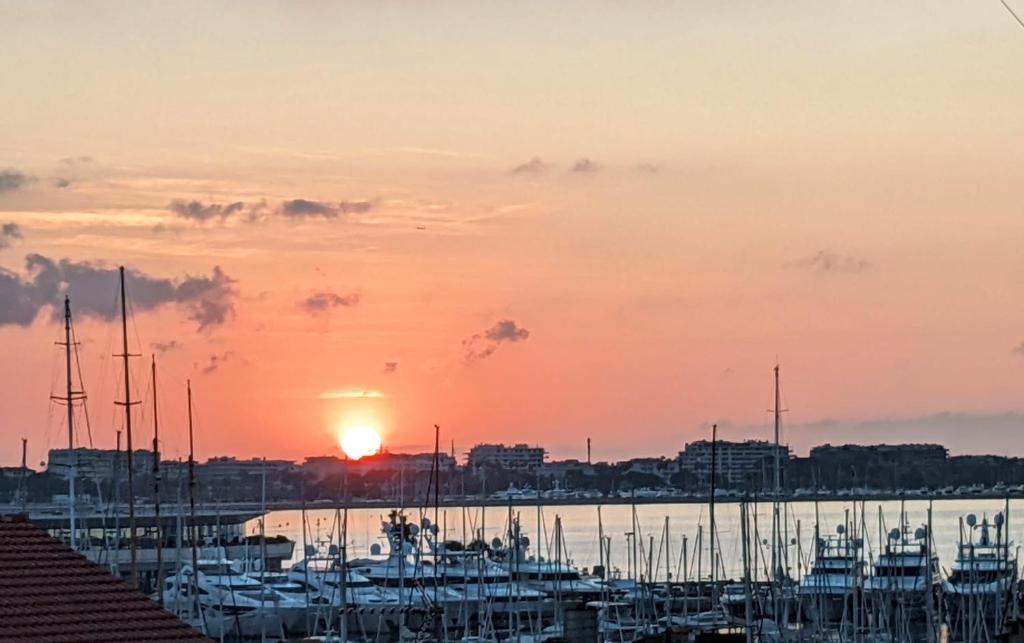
(581, 525)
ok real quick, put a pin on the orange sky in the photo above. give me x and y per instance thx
(661, 202)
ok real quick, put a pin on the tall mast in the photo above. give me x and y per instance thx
(127, 404)
(777, 556)
(156, 495)
(777, 411)
(711, 513)
(192, 500)
(69, 400)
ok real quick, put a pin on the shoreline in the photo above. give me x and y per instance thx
(380, 504)
(289, 505)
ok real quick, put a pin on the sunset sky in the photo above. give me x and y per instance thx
(523, 221)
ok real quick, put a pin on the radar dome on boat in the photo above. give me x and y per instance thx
(840, 529)
(375, 549)
(971, 520)
(332, 550)
(425, 522)
(496, 543)
(413, 530)
(920, 533)
(525, 540)
(894, 534)
(999, 519)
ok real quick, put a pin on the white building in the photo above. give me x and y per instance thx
(748, 464)
(558, 470)
(97, 464)
(227, 468)
(320, 467)
(518, 456)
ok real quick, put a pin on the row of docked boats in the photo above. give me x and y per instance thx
(903, 592)
(453, 586)
(454, 590)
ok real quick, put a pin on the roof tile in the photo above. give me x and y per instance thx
(51, 594)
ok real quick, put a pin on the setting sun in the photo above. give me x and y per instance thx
(359, 441)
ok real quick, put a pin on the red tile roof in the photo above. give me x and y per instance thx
(51, 594)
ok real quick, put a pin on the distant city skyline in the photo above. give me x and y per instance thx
(522, 222)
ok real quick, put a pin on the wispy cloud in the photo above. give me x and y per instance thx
(390, 368)
(206, 300)
(214, 362)
(482, 345)
(307, 209)
(166, 347)
(584, 166)
(350, 394)
(9, 232)
(323, 301)
(533, 166)
(72, 161)
(825, 261)
(11, 180)
(203, 212)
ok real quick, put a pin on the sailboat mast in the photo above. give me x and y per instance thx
(778, 418)
(711, 513)
(156, 494)
(69, 400)
(777, 556)
(192, 500)
(128, 431)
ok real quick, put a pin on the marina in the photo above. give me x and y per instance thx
(897, 570)
(506, 322)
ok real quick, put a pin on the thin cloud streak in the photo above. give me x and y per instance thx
(350, 394)
(826, 261)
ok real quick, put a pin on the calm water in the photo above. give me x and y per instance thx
(580, 528)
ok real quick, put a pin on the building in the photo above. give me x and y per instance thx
(521, 457)
(894, 452)
(558, 470)
(663, 468)
(227, 469)
(740, 465)
(320, 467)
(97, 465)
(51, 594)
(15, 473)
